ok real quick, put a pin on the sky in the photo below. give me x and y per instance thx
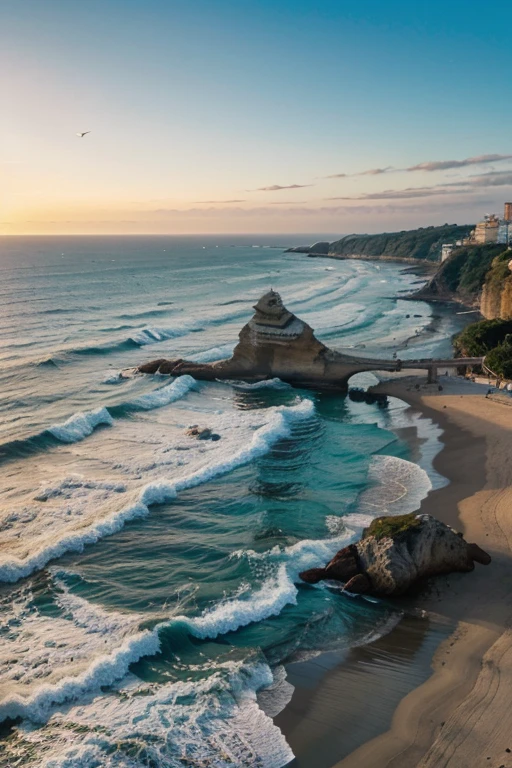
(252, 116)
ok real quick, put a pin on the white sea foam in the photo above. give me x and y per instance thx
(119, 376)
(59, 538)
(336, 525)
(154, 335)
(73, 483)
(213, 354)
(215, 722)
(232, 614)
(274, 594)
(217, 315)
(252, 386)
(165, 395)
(396, 487)
(48, 660)
(278, 426)
(112, 378)
(80, 425)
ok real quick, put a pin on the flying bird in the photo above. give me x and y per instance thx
(83, 134)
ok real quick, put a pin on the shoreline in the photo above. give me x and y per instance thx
(460, 715)
(470, 671)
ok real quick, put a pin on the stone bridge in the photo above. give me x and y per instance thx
(431, 365)
(277, 344)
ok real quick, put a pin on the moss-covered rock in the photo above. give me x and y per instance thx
(395, 552)
(391, 525)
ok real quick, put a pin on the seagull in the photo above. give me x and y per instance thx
(83, 134)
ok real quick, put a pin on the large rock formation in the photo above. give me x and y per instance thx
(276, 343)
(397, 552)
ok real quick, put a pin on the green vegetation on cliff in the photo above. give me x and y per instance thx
(479, 338)
(422, 244)
(499, 359)
(499, 270)
(462, 276)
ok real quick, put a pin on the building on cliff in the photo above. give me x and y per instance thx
(486, 231)
(504, 232)
(505, 227)
(446, 251)
(492, 229)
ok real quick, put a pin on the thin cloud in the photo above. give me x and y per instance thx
(428, 166)
(444, 165)
(492, 179)
(279, 187)
(370, 172)
(213, 202)
(375, 171)
(406, 194)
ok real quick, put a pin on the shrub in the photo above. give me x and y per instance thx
(499, 359)
(392, 525)
(480, 338)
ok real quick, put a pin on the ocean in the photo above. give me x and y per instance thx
(149, 586)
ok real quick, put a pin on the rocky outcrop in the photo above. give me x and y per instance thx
(496, 301)
(397, 552)
(277, 344)
(201, 433)
(317, 249)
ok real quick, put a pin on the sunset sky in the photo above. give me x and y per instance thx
(252, 115)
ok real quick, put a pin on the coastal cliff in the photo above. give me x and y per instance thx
(496, 300)
(477, 276)
(462, 277)
(423, 244)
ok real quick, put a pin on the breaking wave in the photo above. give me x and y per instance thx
(279, 426)
(254, 386)
(160, 397)
(214, 722)
(80, 425)
(213, 354)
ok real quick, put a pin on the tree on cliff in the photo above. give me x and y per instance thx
(499, 359)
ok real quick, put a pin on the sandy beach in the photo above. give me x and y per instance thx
(458, 714)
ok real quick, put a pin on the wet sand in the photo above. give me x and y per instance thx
(342, 700)
(453, 710)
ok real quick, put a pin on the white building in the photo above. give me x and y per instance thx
(446, 251)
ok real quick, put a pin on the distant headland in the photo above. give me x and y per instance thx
(410, 246)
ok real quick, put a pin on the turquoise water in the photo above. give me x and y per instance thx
(150, 592)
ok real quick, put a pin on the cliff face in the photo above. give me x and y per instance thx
(496, 301)
(462, 277)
